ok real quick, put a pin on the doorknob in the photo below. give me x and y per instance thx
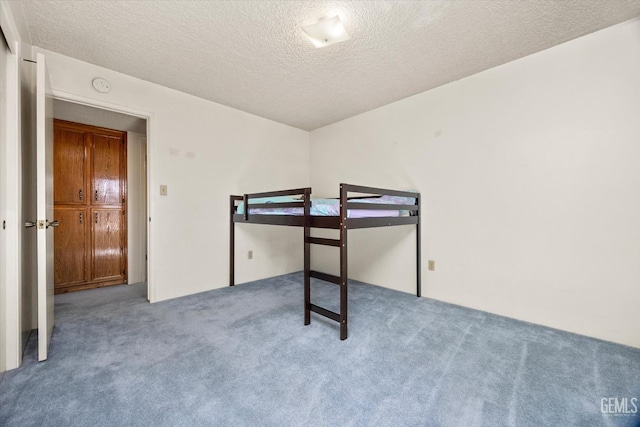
(53, 223)
(29, 224)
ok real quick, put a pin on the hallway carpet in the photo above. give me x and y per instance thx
(241, 356)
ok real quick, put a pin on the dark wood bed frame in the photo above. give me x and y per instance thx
(341, 223)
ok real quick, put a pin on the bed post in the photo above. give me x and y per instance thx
(307, 256)
(418, 257)
(232, 237)
(343, 261)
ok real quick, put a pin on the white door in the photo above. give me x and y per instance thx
(44, 205)
(4, 53)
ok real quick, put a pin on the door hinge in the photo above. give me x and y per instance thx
(4, 225)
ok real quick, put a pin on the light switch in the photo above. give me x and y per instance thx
(163, 190)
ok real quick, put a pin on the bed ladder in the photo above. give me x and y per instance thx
(341, 280)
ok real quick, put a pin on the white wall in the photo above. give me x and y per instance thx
(531, 186)
(203, 151)
(136, 208)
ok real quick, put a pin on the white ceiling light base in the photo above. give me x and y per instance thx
(101, 85)
(326, 31)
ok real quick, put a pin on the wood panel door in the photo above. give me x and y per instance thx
(71, 260)
(90, 183)
(107, 169)
(108, 244)
(69, 166)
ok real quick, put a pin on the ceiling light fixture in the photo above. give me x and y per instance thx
(101, 85)
(326, 31)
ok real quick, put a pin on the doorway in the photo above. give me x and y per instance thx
(126, 248)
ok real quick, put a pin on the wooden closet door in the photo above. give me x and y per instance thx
(69, 166)
(90, 182)
(107, 169)
(71, 251)
(108, 244)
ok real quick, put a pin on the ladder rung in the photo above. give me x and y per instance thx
(322, 241)
(326, 313)
(324, 276)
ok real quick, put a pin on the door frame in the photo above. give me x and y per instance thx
(90, 102)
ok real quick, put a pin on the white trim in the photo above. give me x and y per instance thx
(151, 290)
(91, 102)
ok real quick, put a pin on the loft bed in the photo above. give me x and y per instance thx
(296, 208)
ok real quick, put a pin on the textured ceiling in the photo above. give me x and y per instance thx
(98, 117)
(252, 55)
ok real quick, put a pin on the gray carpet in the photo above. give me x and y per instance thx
(242, 357)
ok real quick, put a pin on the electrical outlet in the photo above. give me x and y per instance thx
(163, 190)
(250, 255)
(432, 265)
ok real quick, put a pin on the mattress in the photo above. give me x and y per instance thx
(330, 207)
